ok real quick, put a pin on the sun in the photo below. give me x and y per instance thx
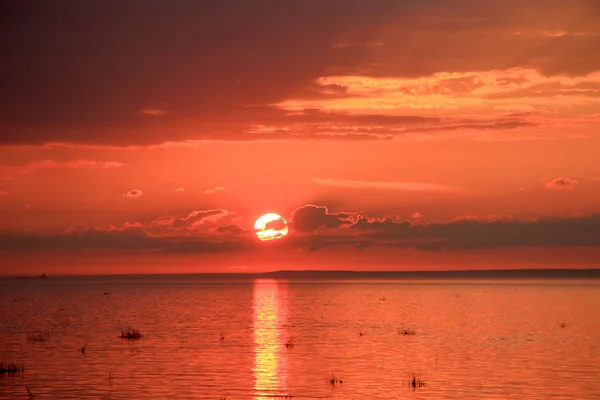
(270, 226)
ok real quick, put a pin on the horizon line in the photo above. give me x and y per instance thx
(521, 271)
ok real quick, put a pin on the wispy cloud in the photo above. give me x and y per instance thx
(132, 194)
(213, 190)
(154, 112)
(47, 164)
(561, 184)
(451, 93)
(562, 33)
(195, 220)
(179, 190)
(388, 185)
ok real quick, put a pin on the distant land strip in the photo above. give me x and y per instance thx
(593, 273)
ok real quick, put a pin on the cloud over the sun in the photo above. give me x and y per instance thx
(132, 194)
(561, 184)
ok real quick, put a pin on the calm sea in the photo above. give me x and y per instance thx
(267, 339)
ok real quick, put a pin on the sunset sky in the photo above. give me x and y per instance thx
(148, 136)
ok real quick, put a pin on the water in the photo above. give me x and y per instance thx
(472, 339)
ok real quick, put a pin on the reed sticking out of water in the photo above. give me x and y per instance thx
(416, 381)
(82, 349)
(30, 394)
(132, 334)
(290, 343)
(11, 368)
(135, 350)
(110, 378)
(563, 325)
(406, 331)
(360, 333)
(39, 337)
(221, 337)
(334, 380)
(224, 397)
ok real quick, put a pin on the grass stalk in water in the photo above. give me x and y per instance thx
(132, 334)
(11, 368)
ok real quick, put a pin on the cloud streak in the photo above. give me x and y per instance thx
(213, 190)
(561, 184)
(387, 185)
(51, 164)
(458, 92)
(133, 194)
(153, 112)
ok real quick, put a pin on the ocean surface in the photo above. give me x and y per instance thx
(268, 338)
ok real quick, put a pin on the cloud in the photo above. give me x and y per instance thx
(275, 225)
(433, 58)
(179, 190)
(417, 215)
(154, 112)
(137, 236)
(314, 227)
(401, 186)
(457, 92)
(561, 33)
(196, 218)
(461, 233)
(193, 222)
(111, 238)
(48, 164)
(132, 194)
(310, 218)
(561, 184)
(214, 190)
(231, 229)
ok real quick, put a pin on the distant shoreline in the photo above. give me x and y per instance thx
(357, 275)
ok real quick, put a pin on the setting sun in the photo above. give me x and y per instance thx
(270, 226)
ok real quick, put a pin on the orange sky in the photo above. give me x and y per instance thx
(421, 126)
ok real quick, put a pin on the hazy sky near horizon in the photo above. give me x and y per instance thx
(399, 127)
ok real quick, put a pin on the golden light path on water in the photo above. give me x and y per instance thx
(270, 321)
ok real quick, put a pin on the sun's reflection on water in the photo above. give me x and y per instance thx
(270, 321)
